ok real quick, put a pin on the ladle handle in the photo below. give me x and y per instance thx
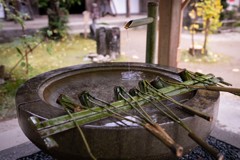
(164, 137)
(217, 155)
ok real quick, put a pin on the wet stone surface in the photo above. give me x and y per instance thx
(230, 152)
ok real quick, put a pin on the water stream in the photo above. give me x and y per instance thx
(132, 75)
(123, 122)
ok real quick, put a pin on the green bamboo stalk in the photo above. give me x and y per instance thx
(62, 101)
(151, 22)
(154, 128)
(151, 32)
(185, 107)
(236, 91)
(131, 101)
(191, 134)
(113, 108)
(114, 113)
(195, 76)
(54, 126)
(67, 102)
(150, 125)
(63, 123)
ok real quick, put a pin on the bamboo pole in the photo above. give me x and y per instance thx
(59, 124)
(62, 102)
(185, 107)
(161, 134)
(151, 33)
(138, 22)
(151, 22)
(146, 121)
(215, 88)
(191, 134)
(205, 146)
(63, 123)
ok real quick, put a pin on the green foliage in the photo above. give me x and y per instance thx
(16, 15)
(65, 52)
(43, 3)
(210, 58)
(194, 26)
(25, 46)
(69, 3)
(210, 10)
(224, 12)
(48, 55)
(63, 3)
(10, 87)
(7, 96)
(229, 14)
(58, 25)
(57, 21)
(237, 24)
(224, 4)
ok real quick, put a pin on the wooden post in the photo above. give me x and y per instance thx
(108, 41)
(127, 8)
(101, 41)
(86, 17)
(113, 42)
(169, 31)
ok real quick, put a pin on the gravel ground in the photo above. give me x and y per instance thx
(230, 152)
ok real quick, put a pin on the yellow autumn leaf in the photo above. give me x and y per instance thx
(192, 14)
(196, 26)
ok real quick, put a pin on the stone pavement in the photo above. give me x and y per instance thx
(133, 46)
(75, 25)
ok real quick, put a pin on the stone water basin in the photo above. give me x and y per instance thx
(108, 140)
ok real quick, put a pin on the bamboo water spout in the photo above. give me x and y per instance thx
(151, 22)
(138, 22)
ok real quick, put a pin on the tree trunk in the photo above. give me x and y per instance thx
(2, 71)
(101, 41)
(193, 44)
(57, 19)
(207, 27)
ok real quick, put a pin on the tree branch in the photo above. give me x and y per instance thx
(184, 4)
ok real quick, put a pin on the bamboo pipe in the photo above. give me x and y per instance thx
(138, 22)
(151, 22)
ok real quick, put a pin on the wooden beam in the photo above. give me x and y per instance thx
(169, 31)
(184, 4)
